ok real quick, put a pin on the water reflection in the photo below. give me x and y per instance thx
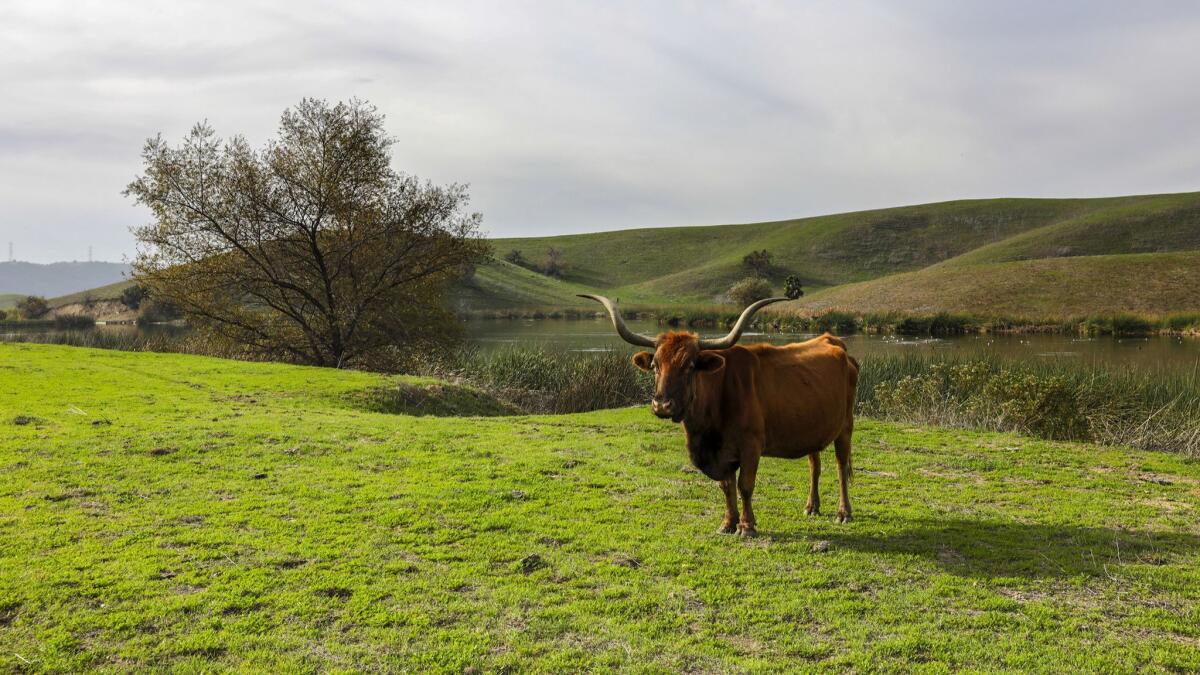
(597, 335)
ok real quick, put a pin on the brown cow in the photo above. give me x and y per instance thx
(738, 404)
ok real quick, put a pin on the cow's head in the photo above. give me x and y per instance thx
(679, 359)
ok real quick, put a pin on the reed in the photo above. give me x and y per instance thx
(1156, 410)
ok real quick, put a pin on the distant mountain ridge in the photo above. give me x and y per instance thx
(60, 278)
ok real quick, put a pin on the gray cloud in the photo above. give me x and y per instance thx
(582, 116)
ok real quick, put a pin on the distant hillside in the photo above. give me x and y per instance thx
(1014, 257)
(1145, 283)
(22, 278)
(697, 264)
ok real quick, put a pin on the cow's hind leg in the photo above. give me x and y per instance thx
(842, 449)
(814, 497)
(729, 523)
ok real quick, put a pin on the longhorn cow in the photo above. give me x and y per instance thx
(741, 403)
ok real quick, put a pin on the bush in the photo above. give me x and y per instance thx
(3, 315)
(133, 296)
(32, 307)
(1154, 411)
(792, 287)
(541, 381)
(749, 290)
(758, 262)
(517, 258)
(555, 265)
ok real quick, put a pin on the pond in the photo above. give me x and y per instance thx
(588, 335)
(598, 335)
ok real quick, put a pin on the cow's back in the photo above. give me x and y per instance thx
(805, 392)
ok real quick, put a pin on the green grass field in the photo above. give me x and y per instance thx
(168, 512)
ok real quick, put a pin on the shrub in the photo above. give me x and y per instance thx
(1150, 410)
(555, 265)
(32, 307)
(133, 296)
(748, 290)
(3, 315)
(517, 258)
(792, 287)
(758, 262)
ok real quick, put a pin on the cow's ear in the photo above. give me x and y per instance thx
(644, 360)
(708, 362)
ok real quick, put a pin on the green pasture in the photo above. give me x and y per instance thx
(170, 512)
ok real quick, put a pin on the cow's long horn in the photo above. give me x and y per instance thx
(742, 322)
(619, 323)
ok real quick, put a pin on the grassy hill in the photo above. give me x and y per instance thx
(690, 265)
(959, 256)
(224, 515)
(1148, 283)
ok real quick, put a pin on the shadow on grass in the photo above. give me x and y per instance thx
(986, 548)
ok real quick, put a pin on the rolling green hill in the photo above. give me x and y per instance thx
(9, 300)
(1032, 257)
(945, 255)
(1145, 283)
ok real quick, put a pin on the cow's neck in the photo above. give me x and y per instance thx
(703, 414)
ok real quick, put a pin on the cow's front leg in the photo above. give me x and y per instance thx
(747, 526)
(729, 522)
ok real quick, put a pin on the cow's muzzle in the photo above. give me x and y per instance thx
(666, 409)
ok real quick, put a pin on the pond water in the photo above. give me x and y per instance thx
(598, 335)
(587, 335)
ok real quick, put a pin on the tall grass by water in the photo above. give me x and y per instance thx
(1156, 410)
(1151, 409)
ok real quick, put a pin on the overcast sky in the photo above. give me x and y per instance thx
(582, 116)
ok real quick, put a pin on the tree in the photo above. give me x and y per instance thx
(792, 287)
(311, 248)
(133, 296)
(555, 265)
(517, 258)
(32, 307)
(3, 315)
(758, 262)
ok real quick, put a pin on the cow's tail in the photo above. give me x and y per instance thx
(850, 424)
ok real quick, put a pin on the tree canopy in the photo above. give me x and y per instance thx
(311, 247)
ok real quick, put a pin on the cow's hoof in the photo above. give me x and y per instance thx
(727, 528)
(812, 510)
(844, 517)
(746, 531)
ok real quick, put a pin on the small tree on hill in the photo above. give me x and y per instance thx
(311, 248)
(517, 258)
(792, 287)
(749, 290)
(758, 262)
(3, 315)
(555, 265)
(32, 307)
(133, 296)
